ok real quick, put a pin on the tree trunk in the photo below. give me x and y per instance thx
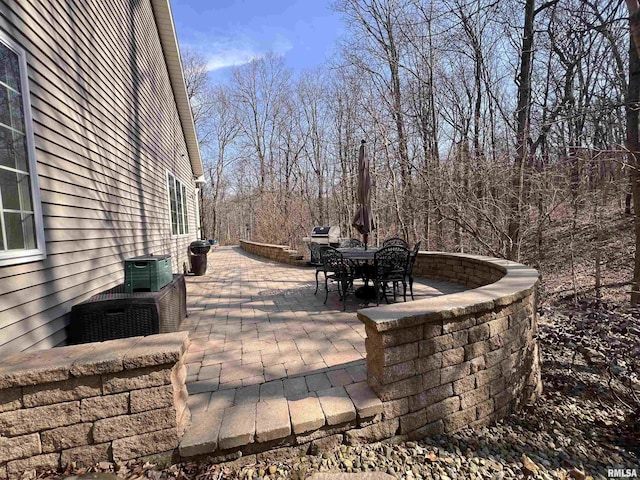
(403, 151)
(522, 133)
(633, 143)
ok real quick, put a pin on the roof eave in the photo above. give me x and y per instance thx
(169, 42)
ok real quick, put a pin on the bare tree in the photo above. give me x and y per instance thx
(259, 88)
(194, 66)
(460, 157)
(223, 128)
(633, 140)
(312, 92)
(377, 20)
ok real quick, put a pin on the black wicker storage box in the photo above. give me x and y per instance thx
(114, 314)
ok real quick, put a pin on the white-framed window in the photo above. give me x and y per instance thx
(177, 205)
(21, 229)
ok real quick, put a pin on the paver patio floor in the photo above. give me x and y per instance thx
(269, 361)
(255, 325)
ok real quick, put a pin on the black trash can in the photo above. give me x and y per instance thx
(198, 256)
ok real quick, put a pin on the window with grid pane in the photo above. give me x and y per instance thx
(22, 235)
(177, 205)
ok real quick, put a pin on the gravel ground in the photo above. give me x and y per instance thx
(584, 424)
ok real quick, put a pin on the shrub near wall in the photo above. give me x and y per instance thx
(468, 358)
(107, 401)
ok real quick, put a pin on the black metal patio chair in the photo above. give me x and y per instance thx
(339, 270)
(395, 241)
(316, 259)
(390, 266)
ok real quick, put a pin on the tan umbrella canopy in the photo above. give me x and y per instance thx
(362, 219)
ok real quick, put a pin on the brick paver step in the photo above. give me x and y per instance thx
(221, 400)
(235, 417)
(272, 389)
(340, 377)
(272, 420)
(336, 405)
(318, 381)
(250, 394)
(295, 387)
(202, 436)
(306, 414)
(238, 426)
(364, 399)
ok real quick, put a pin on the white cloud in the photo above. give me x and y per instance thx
(234, 51)
(230, 58)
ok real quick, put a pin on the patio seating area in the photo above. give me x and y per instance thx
(259, 334)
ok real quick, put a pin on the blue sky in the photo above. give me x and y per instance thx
(233, 32)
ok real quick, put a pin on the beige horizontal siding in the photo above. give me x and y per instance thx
(66, 259)
(105, 107)
(98, 47)
(77, 263)
(106, 132)
(57, 300)
(42, 337)
(51, 75)
(34, 335)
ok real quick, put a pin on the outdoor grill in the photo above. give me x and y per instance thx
(322, 236)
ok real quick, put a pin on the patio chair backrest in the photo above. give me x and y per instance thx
(316, 253)
(333, 260)
(395, 241)
(391, 263)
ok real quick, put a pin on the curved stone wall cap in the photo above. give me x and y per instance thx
(499, 262)
(410, 314)
(468, 256)
(518, 282)
(156, 350)
(32, 368)
(259, 244)
(57, 364)
(518, 269)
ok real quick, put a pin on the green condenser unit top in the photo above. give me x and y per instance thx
(148, 273)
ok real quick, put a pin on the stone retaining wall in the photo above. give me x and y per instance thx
(279, 253)
(468, 358)
(107, 401)
(470, 270)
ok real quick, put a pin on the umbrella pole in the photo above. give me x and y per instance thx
(365, 237)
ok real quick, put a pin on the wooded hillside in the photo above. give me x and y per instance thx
(486, 122)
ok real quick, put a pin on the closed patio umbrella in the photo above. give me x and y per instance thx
(362, 219)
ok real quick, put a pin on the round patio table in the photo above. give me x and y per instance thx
(359, 254)
(366, 292)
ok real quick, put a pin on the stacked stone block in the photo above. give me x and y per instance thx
(108, 401)
(279, 253)
(464, 359)
(472, 271)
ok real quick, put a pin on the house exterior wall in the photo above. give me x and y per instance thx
(106, 132)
